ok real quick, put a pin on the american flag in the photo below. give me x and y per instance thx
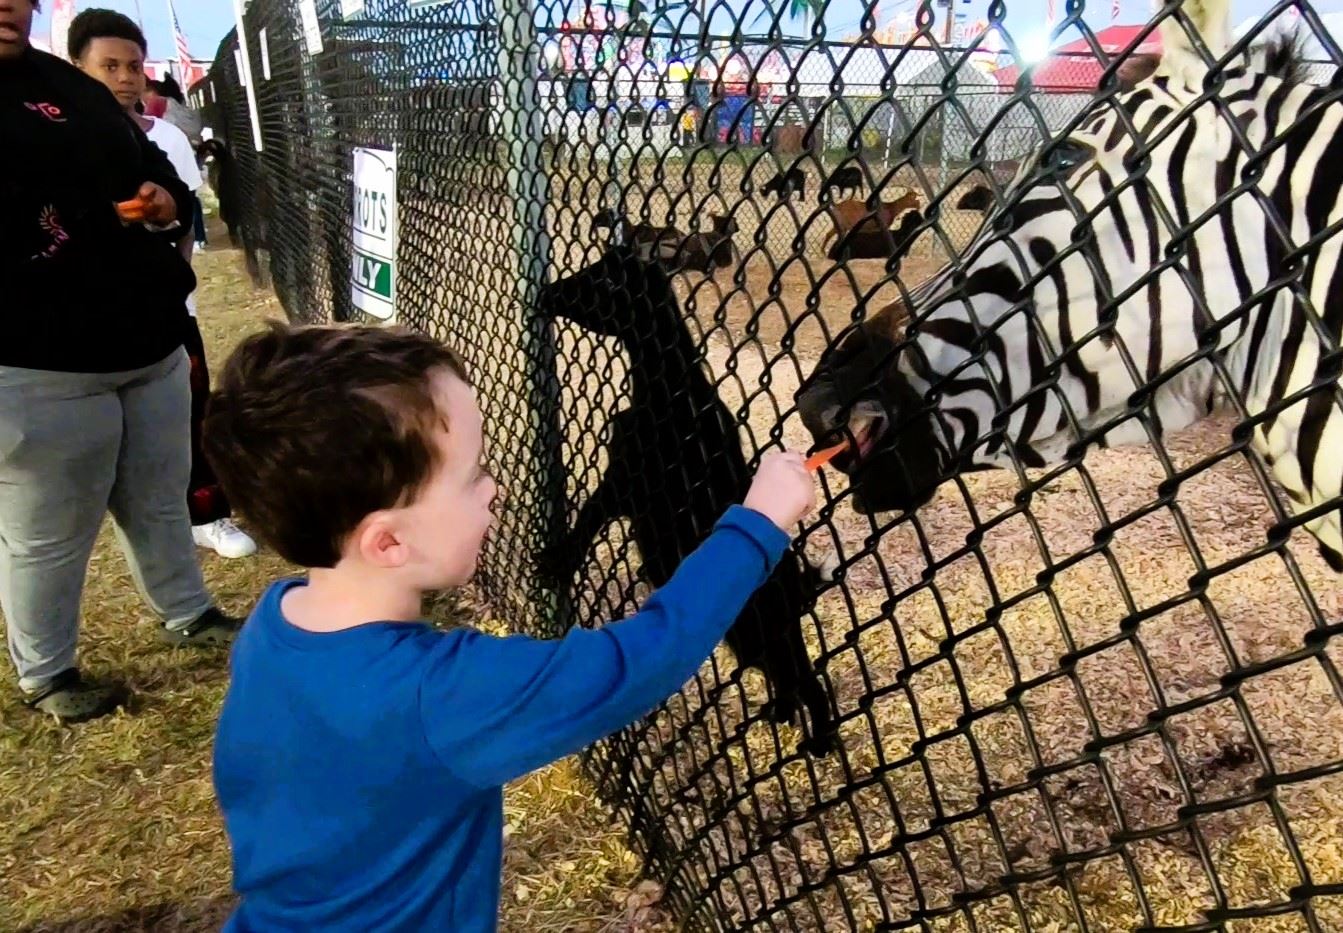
(183, 53)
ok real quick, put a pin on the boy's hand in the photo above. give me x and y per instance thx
(783, 490)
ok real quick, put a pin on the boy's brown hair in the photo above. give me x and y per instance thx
(312, 429)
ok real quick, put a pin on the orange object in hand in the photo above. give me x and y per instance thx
(132, 210)
(822, 457)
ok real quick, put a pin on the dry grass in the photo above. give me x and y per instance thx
(112, 825)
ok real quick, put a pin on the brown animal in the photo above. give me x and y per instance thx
(704, 252)
(674, 250)
(878, 244)
(851, 213)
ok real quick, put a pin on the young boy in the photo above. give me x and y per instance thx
(110, 48)
(361, 754)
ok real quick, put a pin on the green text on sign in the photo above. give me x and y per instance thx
(373, 274)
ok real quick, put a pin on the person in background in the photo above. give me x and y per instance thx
(164, 100)
(168, 98)
(211, 522)
(95, 408)
(688, 126)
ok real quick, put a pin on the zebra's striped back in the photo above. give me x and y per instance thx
(1174, 256)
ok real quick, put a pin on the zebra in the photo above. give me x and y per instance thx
(1104, 304)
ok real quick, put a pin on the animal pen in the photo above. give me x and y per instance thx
(1077, 646)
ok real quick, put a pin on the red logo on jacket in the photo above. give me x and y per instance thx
(50, 111)
(50, 222)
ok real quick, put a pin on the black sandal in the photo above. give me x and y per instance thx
(211, 629)
(71, 699)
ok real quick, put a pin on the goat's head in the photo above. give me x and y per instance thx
(892, 209)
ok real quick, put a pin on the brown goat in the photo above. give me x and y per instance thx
(878, 244)
(705, 252)
(851, 213)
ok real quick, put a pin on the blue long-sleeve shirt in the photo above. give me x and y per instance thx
(360, 772)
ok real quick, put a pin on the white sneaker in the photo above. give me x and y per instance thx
(224, 538)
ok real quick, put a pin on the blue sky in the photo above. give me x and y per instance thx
(206, 21)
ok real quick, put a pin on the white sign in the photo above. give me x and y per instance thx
(312, 27)
(265, 57)
(373, 276)
(350, 8)
(418, 3)
(242, 72)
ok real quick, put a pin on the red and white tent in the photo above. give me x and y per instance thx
(1075, 68)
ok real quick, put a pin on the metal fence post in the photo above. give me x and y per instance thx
(522, 126)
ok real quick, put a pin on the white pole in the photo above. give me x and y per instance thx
(247, 76)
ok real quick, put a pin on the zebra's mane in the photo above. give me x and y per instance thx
(1283, 56)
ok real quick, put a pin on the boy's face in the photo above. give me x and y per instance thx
(117, 63)
(446, 525)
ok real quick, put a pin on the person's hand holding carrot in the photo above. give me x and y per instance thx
(151, 204)
(784, 490)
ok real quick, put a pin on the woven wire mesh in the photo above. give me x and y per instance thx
(1099, 693)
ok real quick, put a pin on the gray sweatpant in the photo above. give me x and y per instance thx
(73, 446)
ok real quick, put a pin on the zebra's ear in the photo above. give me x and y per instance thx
(1210, 20)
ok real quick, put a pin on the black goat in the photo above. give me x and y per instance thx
(848, 179)
(784, 183)
(675, 465)
(878, 244)
(222, 172)
(979, 198)
(225, 181)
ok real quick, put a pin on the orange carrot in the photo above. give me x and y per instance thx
(822, 457)
(134, 209)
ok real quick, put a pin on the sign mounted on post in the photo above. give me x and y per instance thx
(373, 276)
(265, 56)
(312, 26)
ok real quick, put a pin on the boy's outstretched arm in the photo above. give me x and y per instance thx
(494, 709)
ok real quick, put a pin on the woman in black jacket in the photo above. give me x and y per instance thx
(94, 397)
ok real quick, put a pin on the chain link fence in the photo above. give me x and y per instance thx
(1094, 690)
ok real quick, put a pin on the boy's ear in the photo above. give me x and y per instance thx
(378, 542)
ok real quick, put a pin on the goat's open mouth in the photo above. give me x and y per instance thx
(865, 432)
